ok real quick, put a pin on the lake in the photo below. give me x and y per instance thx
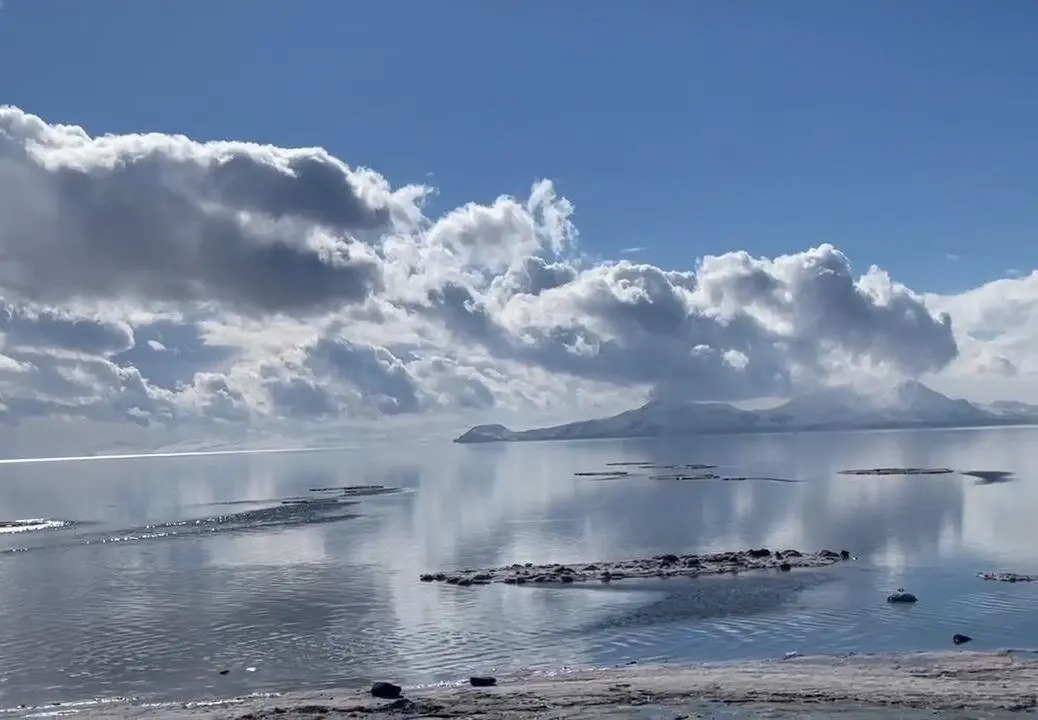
(174, 569)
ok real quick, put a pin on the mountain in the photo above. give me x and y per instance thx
(908, 404)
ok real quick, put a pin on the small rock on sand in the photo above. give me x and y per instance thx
(960, 639)
(386, 690)
(482, 681)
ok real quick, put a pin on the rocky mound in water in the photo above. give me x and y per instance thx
(1009, 577)
(669, 565)
(356, 490)
(682, 471)
(898, 471)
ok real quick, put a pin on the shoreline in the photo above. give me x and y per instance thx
(1002, 681)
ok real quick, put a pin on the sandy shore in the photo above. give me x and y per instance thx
(853, 686)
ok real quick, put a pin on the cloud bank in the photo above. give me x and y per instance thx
(155, 279)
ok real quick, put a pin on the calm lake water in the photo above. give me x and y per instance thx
(133, 601)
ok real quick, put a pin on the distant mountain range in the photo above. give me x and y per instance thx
(909, 404)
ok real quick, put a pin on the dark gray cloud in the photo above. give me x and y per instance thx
(301, 398)
(161, 219)
(168, 353)
(59, 363)
(92, 389)
(379, 375)
(219, 400)
(26, 326)
(314, 188)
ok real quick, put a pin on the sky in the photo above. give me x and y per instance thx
(217, 217)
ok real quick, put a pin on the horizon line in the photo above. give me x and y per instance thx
(168, 454)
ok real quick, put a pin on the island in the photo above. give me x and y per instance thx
(907, 405)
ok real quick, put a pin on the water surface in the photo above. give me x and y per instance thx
(149, 576)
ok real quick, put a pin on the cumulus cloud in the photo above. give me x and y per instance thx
(161, 218)
(155, 279)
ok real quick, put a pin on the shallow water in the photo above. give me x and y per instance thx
(172, 569)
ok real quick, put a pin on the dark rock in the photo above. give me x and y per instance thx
(439, 577)
(486, 681)
(792, 553)
(960, 639)
(224, 672)
(465, 582)
(762, 552)
(668, 559)
(785, 567)
(606, 576)
(427, 577)
(566, 578)
(844, 555)
(386, 690)
(829, 554)
(901, 596)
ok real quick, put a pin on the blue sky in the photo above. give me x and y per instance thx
(901, 132)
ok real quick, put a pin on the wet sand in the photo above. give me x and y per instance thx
(856, 686)
(668, 565)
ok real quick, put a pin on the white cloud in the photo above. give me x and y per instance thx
(154, 279)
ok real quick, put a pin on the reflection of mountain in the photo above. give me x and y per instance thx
(907, 405)
(522, 503)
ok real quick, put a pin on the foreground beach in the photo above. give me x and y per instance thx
(855, 686)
